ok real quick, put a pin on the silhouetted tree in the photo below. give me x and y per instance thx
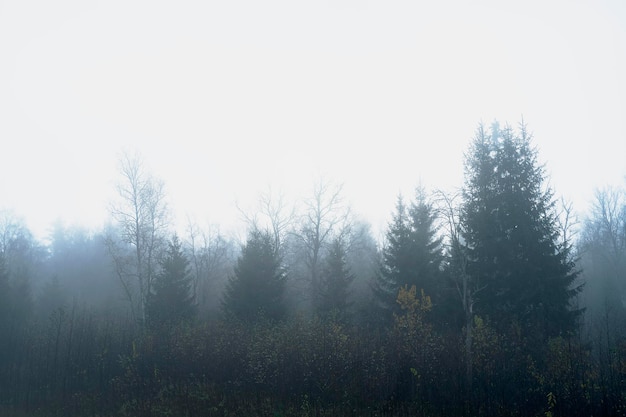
(335, 280)
(363, 262)
(273, 214)
(212, 256)
(413, 252)
(24, 255)
(603, 246)
(396, 258)
(325, 218)
(512, 238)
(428, 246)
(5, 300)
(171, 301)
(256, 289)
(20, 259)
(462, 287)
(142, 216)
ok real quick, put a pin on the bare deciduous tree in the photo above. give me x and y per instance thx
(607, 224)
(567, 222)
(212, 257)
(142, 215)
(22, 254)
(603, 252)
(465, 286)
(273, 214)
(325, 217)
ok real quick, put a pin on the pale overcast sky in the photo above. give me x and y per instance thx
(224, 98)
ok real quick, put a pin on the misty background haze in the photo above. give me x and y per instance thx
(312, 208)
(226, 99)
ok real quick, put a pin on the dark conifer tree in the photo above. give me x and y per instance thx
(257, 287)
(5, 301)
(170, 300)
(396, 263)
(5, 321)
(4, 288)
(427, 247)
(512, 236)
(412, 254)
(335, 282)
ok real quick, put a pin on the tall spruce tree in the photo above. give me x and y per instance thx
(511, 231)
(171, 300)
(257, 287)
(412, 254)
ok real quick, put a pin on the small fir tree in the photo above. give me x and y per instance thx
(427, 246)
(256, 289)
(396, 262)
(171, 301)
(335, 282)
(413, 252)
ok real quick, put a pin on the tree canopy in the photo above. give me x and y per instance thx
(516, 256)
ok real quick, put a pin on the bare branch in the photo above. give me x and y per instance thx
(142, 215)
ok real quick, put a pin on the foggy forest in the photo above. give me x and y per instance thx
(497, 299)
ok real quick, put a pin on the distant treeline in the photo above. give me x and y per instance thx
(493, 301)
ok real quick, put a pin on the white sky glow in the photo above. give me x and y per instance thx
(225, 98)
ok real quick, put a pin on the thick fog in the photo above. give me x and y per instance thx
(344, 208)
(223, 100)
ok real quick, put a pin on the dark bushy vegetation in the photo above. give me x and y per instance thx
(76, 365)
